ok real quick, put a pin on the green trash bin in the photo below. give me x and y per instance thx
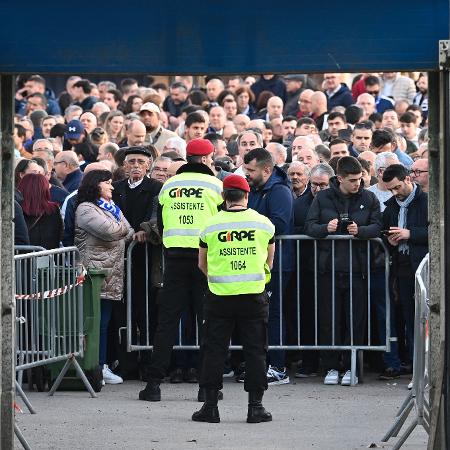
(91, 328)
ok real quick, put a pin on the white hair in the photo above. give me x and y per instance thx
(177, 143)
(382, 159)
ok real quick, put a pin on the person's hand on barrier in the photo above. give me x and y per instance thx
(399, 234)
(352, 229)
(140, 236)
(332, 225)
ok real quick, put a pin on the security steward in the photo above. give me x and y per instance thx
(236, 254)
(187, 201)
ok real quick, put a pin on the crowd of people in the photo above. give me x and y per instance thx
(322, 158)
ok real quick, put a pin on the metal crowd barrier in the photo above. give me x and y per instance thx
(49, 313)
(136, 342)
(418, 397)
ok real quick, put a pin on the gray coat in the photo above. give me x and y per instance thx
(101, 242)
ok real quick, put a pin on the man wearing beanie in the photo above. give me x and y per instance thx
(236, 254)
(187, 201)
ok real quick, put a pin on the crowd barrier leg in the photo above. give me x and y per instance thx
(21, 438)
(400, 418)
(72, 361)
(25, 398)
(353, 368)
(361, 366)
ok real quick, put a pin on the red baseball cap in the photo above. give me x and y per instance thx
(236, 182)
(199, 147)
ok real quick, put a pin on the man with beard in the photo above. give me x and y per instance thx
(156, 134)
(406, 221)
(271, 196)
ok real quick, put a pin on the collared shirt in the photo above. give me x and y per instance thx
(134, 185)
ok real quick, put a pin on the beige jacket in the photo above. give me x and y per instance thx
(101, 242)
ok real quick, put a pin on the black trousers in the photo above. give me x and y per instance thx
(342, 334)
(184, 286)
(249, 313)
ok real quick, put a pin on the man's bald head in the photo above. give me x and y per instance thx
(274, 107)
(136, 133)
(318, 102)
(97, 166)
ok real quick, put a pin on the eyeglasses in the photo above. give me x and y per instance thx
(418, 172)
(59, 162)
(319, 185)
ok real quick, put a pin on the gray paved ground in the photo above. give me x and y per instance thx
(307, 415)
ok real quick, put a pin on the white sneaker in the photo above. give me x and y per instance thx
(410, 385)
(332, 377)
(109, 377)
(347, 378)
(277, 376)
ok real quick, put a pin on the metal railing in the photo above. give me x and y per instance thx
(418, 397)
(298, 243)
(49, 312)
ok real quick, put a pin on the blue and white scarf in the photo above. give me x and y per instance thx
(402, 218)
(110, 207)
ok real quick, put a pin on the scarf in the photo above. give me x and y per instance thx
(402, 218)
(110, 207)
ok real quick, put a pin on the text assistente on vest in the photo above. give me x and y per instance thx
(236, 254)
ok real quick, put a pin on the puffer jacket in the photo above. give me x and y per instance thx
(101, 242)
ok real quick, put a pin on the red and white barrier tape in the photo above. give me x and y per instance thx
(54, 292)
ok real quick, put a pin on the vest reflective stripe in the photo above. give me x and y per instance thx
(188, 199)
(244, 224)
(234, 278)
(190, 183)
(181, 232)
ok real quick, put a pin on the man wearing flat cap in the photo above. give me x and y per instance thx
(137, 197)
(187, 201)
(156, 134)
(236, 254)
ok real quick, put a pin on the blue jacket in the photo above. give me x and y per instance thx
(276, 85)
(73, 180)
(343, 97)
(274, 200)
(69, 221)
(383, 103)
(57, 194)
(405, 159)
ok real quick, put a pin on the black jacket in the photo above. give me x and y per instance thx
(362, 208)
(148, 190)
(20, 227)
(416, 223)
(45, 231)
(137, 206)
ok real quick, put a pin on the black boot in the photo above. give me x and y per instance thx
(151, 393)
(209, 412)
(256, 411)
(201, 396)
